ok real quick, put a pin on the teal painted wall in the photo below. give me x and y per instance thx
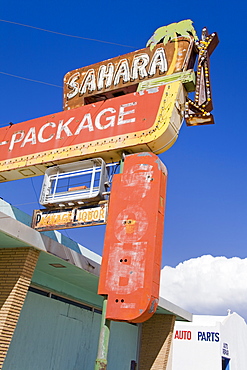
(64, 288)
(52, 335)
(122, 346)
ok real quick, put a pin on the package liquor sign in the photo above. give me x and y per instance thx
(44, 220)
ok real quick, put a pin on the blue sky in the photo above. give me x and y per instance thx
(206, 195)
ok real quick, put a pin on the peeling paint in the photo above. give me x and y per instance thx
(153, 305)
(133, 270)
(131, 224)
(146, 154)
(138, 177)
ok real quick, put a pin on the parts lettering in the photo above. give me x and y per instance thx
(208, 336)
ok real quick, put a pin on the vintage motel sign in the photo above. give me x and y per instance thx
(132, 103)
(130, 269)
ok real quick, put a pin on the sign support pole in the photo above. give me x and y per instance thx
(104, 337)
(101, 360)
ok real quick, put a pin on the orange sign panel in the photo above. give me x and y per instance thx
(142, 121)
(122, 74)
(130, 269)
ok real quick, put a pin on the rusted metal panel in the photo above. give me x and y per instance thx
(148, 120)
(122, 74)
(44, 220)
(130, 270)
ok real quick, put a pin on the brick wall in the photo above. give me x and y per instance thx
(16, 269)
(156, 341)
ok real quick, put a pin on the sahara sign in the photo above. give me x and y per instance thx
(121, 75)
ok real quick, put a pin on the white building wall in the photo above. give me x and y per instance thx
(202, 343)
(196, 347)
(234, 341)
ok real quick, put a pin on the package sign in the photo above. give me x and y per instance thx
(44, 220)
(100, 129)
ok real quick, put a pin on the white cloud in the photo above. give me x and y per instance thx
(207, 285)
